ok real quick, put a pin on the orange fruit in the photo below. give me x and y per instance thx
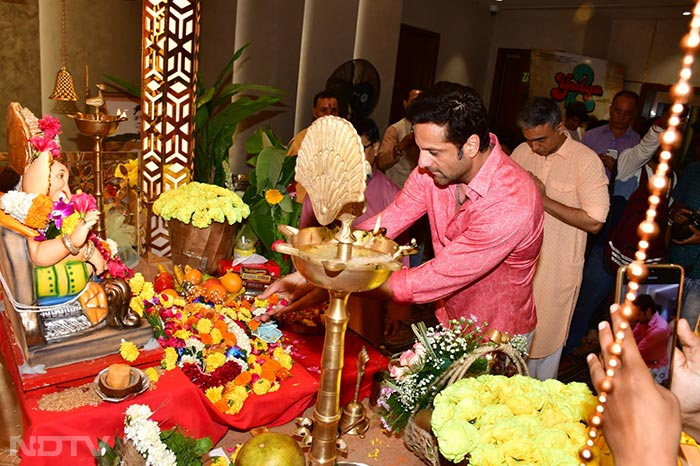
(232, 282)
(216, 293)
(193, 276)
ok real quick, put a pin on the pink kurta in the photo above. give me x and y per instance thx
(573, 176)
(485, 251)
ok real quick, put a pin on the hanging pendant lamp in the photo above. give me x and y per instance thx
(64, 88)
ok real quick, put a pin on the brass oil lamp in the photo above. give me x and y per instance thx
(331, 166)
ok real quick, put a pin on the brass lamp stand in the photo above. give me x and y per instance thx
(97, 126)
(343, 262)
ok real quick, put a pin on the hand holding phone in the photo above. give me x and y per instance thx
(654, 319)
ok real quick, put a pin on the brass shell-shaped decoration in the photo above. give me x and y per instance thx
(331, 167)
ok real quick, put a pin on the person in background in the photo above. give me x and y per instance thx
(398, 153)
(398, 156)
(380, 192)
(485, 214)
(616, 244)
(573, 186)
(608, 141)
(684, 249)
(575, 117)
(651, 333)
(325, 103)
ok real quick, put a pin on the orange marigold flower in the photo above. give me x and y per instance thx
(243, 379)
(221, 325)
(253, 324)
(273, 196)
(205, 338)
(283, 374)
(274, 299)
(222, 405)
(38, 214)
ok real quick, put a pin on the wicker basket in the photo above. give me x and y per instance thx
(421, 441)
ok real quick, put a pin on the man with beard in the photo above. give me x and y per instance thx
(486, 219)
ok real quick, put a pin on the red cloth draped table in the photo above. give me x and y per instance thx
(70, 437)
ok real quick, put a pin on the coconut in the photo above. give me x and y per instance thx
(270, 449)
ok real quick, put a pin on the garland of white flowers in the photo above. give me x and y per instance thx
(145, 435)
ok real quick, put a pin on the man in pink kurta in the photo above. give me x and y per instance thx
(574, 190)
(486, 219)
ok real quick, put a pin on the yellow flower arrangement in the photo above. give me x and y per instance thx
(492, 419)
(200, 204)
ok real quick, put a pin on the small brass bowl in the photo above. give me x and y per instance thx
(135, 384)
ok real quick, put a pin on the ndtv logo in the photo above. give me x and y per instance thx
(52, 445)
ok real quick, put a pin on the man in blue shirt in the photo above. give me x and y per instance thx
(610, 140)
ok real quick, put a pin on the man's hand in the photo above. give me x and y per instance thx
(693, 239)
(608, 161)
(296, 291)
(686, 378)
(539, 184)
(642, 420)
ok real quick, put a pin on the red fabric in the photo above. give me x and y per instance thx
(178, 402)
(174, 392)
(307, 352)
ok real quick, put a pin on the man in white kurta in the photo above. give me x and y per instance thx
(574, 189)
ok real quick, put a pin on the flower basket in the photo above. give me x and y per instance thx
(201, 248)
(419, 437)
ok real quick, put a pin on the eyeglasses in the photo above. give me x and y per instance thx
(368, 145)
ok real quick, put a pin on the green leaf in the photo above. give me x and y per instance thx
(276, 157)
(286, 204)
(229, 66)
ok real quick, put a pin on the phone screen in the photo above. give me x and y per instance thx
(655, 316)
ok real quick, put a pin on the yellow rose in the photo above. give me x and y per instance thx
(128, 351)
(456, 439)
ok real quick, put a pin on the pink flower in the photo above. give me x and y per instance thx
(83, 203)
(44, 144)
(419, 349)
(409, 358)
(50, 126)
(397, 372)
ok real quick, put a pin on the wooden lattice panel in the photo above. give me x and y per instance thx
(170, 45)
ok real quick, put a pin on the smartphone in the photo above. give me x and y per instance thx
(612, 153)
(655, 315)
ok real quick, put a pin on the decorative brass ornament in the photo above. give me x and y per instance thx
(64, 89)
(331, 166)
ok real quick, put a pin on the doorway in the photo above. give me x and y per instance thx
(511, 86)
(416, 62)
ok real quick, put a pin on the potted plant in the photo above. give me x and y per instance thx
(270, 194)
